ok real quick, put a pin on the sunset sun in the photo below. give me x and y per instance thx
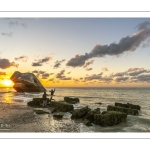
(7, 82)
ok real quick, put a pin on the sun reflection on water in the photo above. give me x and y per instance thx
(7, 98)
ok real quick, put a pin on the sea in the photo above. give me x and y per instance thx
(91, 96)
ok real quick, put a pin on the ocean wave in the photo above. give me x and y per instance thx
(22, 98)
(33, 94)
(76, 96)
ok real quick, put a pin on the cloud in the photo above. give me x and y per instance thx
(121, 79)
(23, 58)
(13, 24)
(89, 69)
(61, 76)
(36, 64)
(94, 77)
(120, 73)
(146, 44)
(58, 63)
(88, 63)
(9, 34)
(45, 75)
(104, 69)
(35, 71)
(134, 69)
(42, 74)
(142, 78)
(125, 44)
(5, 63)
(2, 73)
(41, 61)
(138, 71)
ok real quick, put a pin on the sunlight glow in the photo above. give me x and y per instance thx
(7, 82)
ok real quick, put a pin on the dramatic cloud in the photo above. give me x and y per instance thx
(10, 34)
(41, 61)
(104, 69)
(5, 63)
(61, 76)
(142, 78)
(88, 63)
(58, 63)
(89, 69)
(121, 79)
(22, 58)
(138, 71)
(125, 44)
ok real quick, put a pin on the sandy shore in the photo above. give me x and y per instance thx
(22, 118)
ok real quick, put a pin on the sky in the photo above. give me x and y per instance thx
(80, 52)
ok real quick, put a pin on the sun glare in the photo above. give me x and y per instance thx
(7, 82)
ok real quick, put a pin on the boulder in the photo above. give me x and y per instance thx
(90, 115)
(71, 100)
(36, 102)
(61, 106)
(26, 82)
(41, 112)
(129, 111)
(80, 113)
(110, 118)
(128, 105)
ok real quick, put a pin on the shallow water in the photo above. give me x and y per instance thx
(91, 96)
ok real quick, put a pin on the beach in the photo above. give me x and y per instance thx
(22, 118)
(17, 116)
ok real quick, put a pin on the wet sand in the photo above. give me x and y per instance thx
(22, 118)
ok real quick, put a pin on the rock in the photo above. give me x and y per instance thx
(87, 122)
(58, 116)
(129, 111)
(61, 106)
(41, 112)
(36, 102)
(26, 82)
(110, 118)
(90, 115)
(71, 100)
(98, 103)
(128, 105)
(80, 113)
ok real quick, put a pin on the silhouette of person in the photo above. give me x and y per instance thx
(44, 98)
(52, 94)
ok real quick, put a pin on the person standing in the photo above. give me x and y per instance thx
(44, 99)
(52, 94)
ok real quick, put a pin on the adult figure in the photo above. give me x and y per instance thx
(45, 98)
(52, 94)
